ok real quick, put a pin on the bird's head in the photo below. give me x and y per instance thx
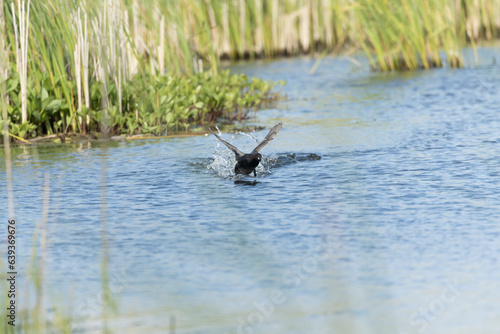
(258, 156)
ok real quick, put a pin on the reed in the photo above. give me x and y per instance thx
(411, 37)
(22, 51)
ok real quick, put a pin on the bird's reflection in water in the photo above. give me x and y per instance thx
(246, 183)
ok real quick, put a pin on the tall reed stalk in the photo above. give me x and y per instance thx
(5, 128)
(83, 46)
(22, 51)
(77, 56)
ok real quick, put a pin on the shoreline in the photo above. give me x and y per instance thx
(96, 136)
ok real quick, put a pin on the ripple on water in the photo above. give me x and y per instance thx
(224, 160)
(398, 199)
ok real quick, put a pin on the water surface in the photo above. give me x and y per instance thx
(376, 211)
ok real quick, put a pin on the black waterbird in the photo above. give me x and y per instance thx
(246, 163)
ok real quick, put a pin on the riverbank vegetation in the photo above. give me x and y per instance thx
(149, 105)
(129, 66)
(87, 67)
(394, 35)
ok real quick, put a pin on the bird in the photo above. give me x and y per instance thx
(246, 163)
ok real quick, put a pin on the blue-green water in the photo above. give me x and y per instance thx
(396, 229)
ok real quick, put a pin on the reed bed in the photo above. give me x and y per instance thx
(108, 66)
(79, 66)
(400, 28)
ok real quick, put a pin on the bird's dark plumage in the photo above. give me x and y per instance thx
(246, 163)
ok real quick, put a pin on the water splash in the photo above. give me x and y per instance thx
(249, 135)
(224, 160)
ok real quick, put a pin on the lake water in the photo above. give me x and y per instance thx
(377, 210)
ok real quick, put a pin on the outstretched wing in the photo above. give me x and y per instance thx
(268, 138)
(231, 147)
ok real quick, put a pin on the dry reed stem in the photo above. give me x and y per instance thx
(77, 54)
(161, 49)
(226, 44)
(22, 51)
(6, 139)
(242, 12)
